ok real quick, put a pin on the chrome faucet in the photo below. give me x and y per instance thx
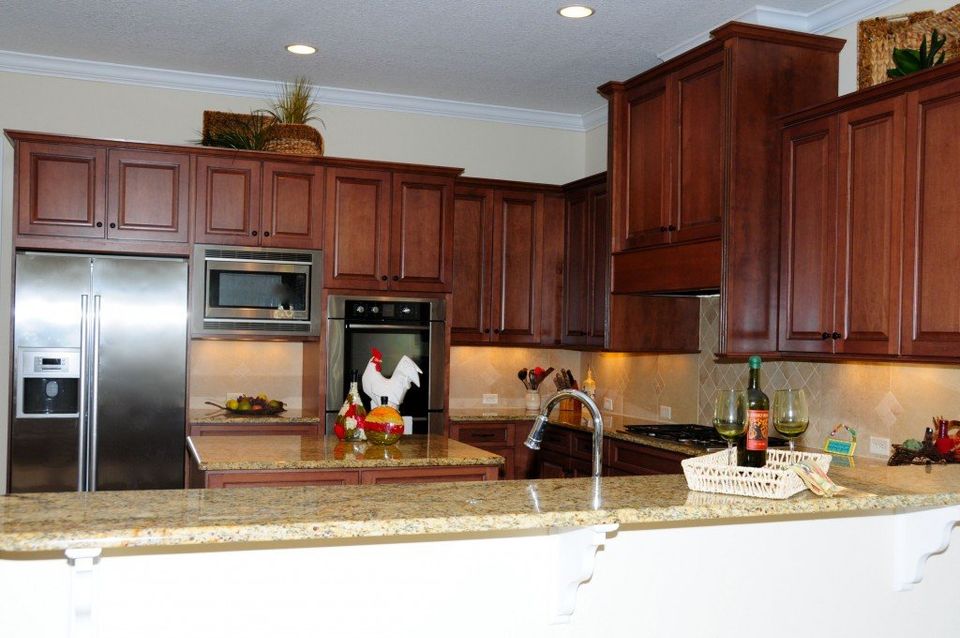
(536, 432)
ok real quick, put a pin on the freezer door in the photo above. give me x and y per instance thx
(138, 387)
(45, 453)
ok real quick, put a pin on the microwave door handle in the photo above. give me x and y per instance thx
(389, 326)
(82, 398)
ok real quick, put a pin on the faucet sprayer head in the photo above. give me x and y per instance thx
(536, 433)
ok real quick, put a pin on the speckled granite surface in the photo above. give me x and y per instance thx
(35, 522)
(214, 416)
(490, 414)
(279, 452)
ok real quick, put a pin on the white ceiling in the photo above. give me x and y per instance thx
(516, 53)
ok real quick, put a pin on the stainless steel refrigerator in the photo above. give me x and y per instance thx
(99, 364)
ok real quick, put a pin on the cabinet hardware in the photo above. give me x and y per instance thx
(671, 228)
(486, 330)
(663, 229)
(99, 224)
(254, 233)
(266, 233)
(112, 225)
(836, 335)
(496, 330)
(824, 335)
(383, 277)
(396, 278)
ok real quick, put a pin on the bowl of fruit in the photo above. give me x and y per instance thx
(244, 405)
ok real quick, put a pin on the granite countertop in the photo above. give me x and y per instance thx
(38, 522)
(283, 452)
(215, 416)
(492, 414)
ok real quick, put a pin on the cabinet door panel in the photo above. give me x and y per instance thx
(472, 244)
(699, 108)
(808, 252)
(577, 282)
(931, 268)
(600, 262)
(148, 196)
(292, 206)
(60, 190)
(518, 225)
(648, 170)
(422, 235)
(357, 227)
(868, 228)
(228, 201)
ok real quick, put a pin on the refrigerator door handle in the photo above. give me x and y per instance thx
(94, 398)
(82, 399)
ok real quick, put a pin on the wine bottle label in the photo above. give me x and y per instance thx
(758, 424)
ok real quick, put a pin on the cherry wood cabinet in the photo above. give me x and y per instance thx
(500, 437)
(587, 254)
(843, 211)
(372, 476)
(388, 231)
(628, 458)
(148, 196)
(567, 453)
(694, 171)
(931, 265)
(507, 280)
(253, 429)
(246, 202)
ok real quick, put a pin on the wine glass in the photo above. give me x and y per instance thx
(730, 417)
(790, 414)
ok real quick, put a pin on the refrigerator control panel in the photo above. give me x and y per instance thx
(50, 362)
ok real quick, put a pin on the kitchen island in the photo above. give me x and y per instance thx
(274, 460)
(504, 557)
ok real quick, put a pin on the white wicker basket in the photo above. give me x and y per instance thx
(715, 473)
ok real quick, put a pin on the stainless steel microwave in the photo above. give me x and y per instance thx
(245, 292)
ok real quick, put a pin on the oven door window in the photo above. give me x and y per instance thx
(236, 291)
(393, 343)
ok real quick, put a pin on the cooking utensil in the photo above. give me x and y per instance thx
(266, 411)
(522, 375)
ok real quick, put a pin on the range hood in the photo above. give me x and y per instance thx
(692, 269)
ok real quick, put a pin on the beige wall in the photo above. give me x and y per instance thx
(595, 157)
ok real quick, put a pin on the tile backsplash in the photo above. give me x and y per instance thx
(272, 367)
(475, 371)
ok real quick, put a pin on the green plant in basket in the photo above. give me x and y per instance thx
(294, 104)
(246, 132)
(909, 61)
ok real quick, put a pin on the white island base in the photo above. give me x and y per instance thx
(814, 577)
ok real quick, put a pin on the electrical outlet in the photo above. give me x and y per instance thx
(879, 446)
(608, 404)
(666, 412)
(491, 399)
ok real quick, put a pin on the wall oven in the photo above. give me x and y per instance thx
(396, 327)
(253, 292)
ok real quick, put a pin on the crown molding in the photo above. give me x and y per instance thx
(32, 64)
(826, 19)
(594, 118)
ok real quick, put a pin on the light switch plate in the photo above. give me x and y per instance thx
(491, 399)
(879, 446)
(608, 404)
(666, 412)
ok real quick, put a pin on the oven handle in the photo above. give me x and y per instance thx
(389, 326)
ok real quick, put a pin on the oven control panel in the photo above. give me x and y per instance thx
(387, 310)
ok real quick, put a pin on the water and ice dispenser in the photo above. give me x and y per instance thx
(48, 383)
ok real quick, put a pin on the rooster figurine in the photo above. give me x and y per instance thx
(375, 385)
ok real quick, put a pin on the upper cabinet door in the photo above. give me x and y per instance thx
(472, 244)
(517, 268)
(871, 175)
(931, 267)
(357, 228)
(599, 209)
(648, 169)
(148, 196)
(808, 250)
(697, 104)
(421, 251)
(228, 201)
(577, 275)
(292, 207)
(60, 190)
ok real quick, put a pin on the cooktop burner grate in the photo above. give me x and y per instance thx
(690, 434)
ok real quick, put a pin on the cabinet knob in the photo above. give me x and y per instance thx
(836, 335)
(266, 233)
(99, 224)
(663, 229)
(671, 228)
(496, 330)
(253, 232)
(824, 335)
(396, 278)
(383, 278)
(486, 331)
(113, 225)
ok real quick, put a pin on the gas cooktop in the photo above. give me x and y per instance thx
(690, 434)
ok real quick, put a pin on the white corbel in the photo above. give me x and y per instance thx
(82, 589)
(576, 557)
(918, 536)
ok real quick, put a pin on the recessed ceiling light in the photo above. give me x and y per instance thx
(576, 11)
(301, 49)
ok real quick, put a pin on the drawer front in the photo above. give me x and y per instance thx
(557, 439)
(281, 479)
(640, 459)
(483, 434)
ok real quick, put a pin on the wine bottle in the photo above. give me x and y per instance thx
(758, 419)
